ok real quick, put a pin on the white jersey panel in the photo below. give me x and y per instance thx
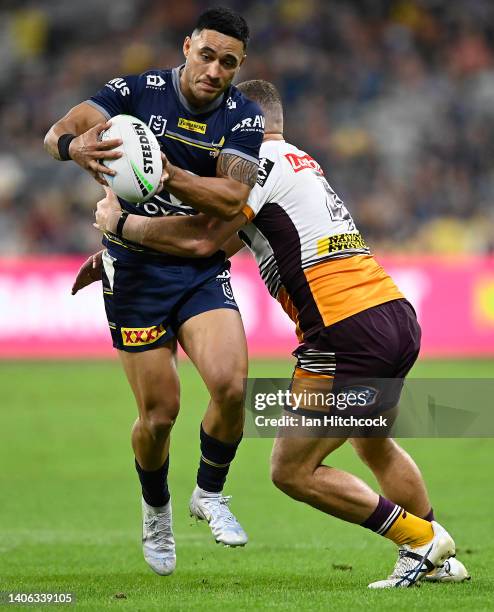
(290, 179)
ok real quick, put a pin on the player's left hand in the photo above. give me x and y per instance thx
(108, 212)
(167, 173)
(89, 272)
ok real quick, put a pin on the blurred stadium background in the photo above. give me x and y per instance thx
(393, 98)
(396, 100)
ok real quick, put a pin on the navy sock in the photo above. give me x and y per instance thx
(216, 457)
(429, 516)
(154, 484)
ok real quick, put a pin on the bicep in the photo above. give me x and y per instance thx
(235, 168)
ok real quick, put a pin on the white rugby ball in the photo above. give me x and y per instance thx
(138, 171)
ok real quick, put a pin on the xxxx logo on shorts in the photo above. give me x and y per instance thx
(138, 336)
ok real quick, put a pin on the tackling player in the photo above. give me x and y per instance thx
(211, 135)
(352, 321)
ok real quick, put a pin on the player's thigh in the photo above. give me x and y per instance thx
(215, 342)
(153, 377)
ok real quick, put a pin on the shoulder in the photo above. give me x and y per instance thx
(153, 80)
(240, 108)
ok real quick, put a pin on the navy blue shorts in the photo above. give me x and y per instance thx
(148, 298)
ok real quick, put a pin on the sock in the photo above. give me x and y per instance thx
(429, 516)
(216, 457)
(154, 484)
(394, 523)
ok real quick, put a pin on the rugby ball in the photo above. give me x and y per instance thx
(138, 171)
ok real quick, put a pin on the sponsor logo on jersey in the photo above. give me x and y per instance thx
(157, 124)
(340, 242)
(231, 104)
(192, 126)
(250, 124)
(303, 162)
(120, 85)
(139, 336)
(265, 167)
(155, 81)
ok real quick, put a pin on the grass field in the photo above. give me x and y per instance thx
(70, 513)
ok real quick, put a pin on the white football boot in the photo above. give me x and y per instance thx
(451, 571)
(213, 508)
(158, 543)
(414, 563)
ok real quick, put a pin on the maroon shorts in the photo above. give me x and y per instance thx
(376, 347)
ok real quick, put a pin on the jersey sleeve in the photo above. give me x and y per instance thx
(245, 136)
(263, 190)
(115, 97)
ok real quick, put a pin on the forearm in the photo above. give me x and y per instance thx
(194, 236)
(77, 121)
(51, 139)
(216, 196)
(175, 236)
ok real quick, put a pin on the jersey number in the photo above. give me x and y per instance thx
(337, 209)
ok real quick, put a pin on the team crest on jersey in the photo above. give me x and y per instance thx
(192, 126)
(265, 167)
(366, 395)
(157, 123)
(155, 81)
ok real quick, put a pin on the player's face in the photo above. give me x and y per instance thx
(212, 61)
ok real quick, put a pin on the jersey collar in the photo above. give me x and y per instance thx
(183, 100)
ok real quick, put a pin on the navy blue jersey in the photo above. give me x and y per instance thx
(191, 139)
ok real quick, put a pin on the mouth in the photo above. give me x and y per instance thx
(208, 87)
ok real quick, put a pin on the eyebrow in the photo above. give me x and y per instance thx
(228, 55)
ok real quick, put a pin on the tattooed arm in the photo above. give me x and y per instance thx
(221, 196)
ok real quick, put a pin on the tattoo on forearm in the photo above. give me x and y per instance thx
(237, 168)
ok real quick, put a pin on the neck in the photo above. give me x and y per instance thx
(273, 136)
(182, 83)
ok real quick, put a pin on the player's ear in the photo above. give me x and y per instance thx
(186, 47)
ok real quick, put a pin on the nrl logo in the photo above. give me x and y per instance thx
(157, 123)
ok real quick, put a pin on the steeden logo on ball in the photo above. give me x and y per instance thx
(138, 171)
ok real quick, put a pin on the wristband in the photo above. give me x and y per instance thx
(63, 145)
(121, 223)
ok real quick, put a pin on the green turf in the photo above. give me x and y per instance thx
(70, 517)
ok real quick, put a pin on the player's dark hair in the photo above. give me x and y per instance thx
(225, 21)
(262, 92)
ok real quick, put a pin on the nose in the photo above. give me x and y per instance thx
(214, 70)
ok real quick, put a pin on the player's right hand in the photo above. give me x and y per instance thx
(89, 272)
(89, 151)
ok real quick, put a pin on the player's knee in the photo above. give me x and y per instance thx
(158, 417)
(228, 391)
(158, 425)
(288, 479)
(375, 451)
